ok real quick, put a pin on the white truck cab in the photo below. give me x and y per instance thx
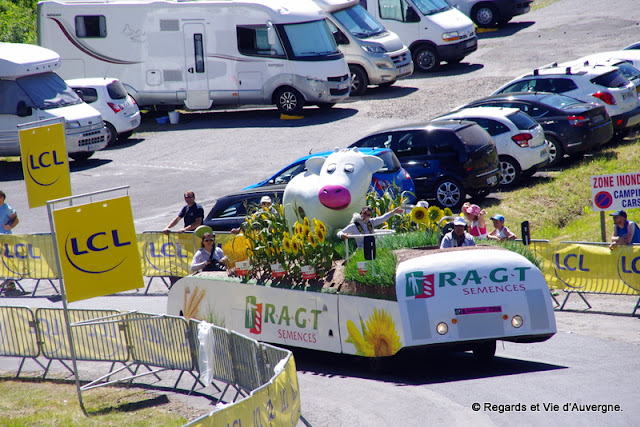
(375, 55)
(31, 91)
(433, 29)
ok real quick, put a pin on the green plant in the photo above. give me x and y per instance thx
(18, 22)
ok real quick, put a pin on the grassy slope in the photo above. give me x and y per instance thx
(559, 207)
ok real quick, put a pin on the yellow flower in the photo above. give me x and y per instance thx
(306, 222)
(418, 214)
(297, 228)
(305, 231)
(320, 235)
(296, 244)
(434, 214)
(286, 244)
(448, 212)
(379, 337)
(317, 224)
(312, 240)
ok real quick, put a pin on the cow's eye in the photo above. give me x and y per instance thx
(331, 168)
(348, 168)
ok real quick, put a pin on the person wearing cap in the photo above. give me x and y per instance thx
(192, 212)
(625, 232)
(500, 231)
(475, 218)
(458, 236)
(208, 257)
(363, 223)
(266, 205)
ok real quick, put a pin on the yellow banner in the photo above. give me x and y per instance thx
(45, 165)
(27, 256)
(97, 248)
(166, 254)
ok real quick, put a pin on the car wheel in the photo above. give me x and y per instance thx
(289, 101)
(556, 152)
(81, 156)
(484, 15)
(125, 135)
(359, 80)
(449, 193)
(510, 171)
(112, 134)
(485, 351)
(426, 59)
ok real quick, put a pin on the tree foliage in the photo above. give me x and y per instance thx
(18, 21)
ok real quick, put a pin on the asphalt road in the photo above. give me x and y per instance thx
(215, 153)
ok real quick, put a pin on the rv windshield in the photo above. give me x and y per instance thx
(431, 7)
(359, 22)
(311, 41)
(48, 90)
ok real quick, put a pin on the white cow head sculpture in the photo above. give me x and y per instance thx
(332, 189)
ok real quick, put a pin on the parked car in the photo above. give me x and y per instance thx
(570, 126)
(230, 211)
(632, 46)
(628, 62)
(486, 13)
(108, 95)
(391, 175)
(446, 160)
(603, 85)
(519, 139)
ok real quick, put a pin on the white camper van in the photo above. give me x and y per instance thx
(375, 55)
(173, 53)
(30, 91)
(491, 12)
(433, 29)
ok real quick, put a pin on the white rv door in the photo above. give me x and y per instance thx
(196, 65)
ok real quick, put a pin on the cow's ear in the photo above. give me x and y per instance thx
(314, 164)
(373, 163)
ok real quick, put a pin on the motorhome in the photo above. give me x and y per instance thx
(433, 29)
(375, 55)
(196, 54)
(31, 91)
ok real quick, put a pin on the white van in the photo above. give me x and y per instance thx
(492, 12)
(30, 91)
(434, 30)
(375, 55)
(172, 53)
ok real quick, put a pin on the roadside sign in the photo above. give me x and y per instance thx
(613, 192)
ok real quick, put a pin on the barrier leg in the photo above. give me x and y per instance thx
(636, 308)
(566, 298)
(33, 294)
(553, 297)
(584, 299)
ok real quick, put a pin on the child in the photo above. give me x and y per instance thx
(501, 232)
(475, 218)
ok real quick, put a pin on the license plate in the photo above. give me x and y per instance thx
(492, 180)
(344, 86)
(544, 152)
(626, 96)
(134, 122)
(471, 43)
(598, 118)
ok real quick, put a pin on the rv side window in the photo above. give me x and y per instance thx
(199, 52)
(10, 95)
(396, 10)
(91, 26)
(254, 41)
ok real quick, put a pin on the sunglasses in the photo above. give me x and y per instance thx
(209, 240)
(189, 197)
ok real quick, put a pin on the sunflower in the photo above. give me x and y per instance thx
(448, 212)
(297, 228)
(296, 244)
(286, 244)
(305, 231)
(306, 222)
(378, 338)
(317, 224)
(434, 214)
(418, 214)
(320, 235)
(312, 240)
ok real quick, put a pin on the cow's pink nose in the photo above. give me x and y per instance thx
(334, 197)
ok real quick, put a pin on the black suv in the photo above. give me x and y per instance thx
(230, 211)
(446, 159)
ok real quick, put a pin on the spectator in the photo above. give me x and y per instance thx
(475, 218)
(267, 206)
(457, 237)
(209, 257)
(8, 216)
(192, 212)
(362, 223)
(500, 232)
(624, 232)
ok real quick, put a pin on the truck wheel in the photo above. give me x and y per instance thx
(484, 15)
(289, 101)
(112, 134)
(449, 193)
(81, 156)
(510, 171)
(426, 59)
(359, 80)
(484, 352)
(556, 152)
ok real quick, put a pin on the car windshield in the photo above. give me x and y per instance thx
(522, 121)
(431, 7)
(311, 41)
(611, 79)
(48, 90)
(359, 22)
(629, 71)
(474, 138)
(559, 101)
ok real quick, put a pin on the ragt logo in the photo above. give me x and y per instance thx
(88, 256)
(253, 316)
(420, 285)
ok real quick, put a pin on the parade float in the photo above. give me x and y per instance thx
(289, 282)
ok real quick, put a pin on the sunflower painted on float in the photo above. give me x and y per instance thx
(378, 338)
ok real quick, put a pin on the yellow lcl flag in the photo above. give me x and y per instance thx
(97, 248)
(45, 165)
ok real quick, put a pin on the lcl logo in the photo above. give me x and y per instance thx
(40, 165)
(81, 253)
